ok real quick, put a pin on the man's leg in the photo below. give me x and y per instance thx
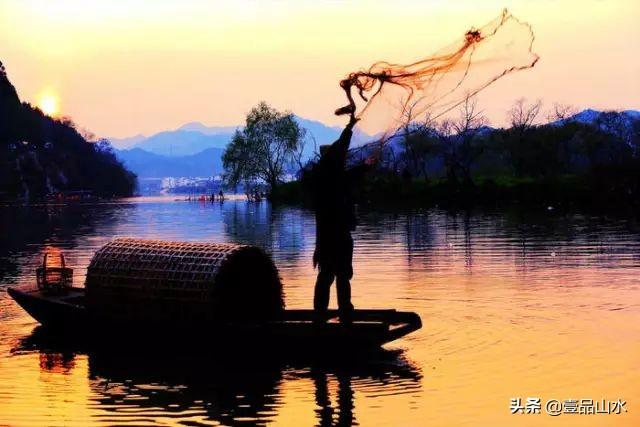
(344, 275)
(321, 293)
(343, 288)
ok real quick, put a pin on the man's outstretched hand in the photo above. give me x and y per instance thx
(350, 108)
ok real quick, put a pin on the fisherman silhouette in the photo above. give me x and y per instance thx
(335, 220)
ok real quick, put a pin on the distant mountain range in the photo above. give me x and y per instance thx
(207, 162)
(590, 116)
(208, 130)
(195, 149)
(182, 143)
(194, 137)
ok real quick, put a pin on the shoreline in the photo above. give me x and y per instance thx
(563, 193)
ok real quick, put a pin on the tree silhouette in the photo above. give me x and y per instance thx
(261, 151)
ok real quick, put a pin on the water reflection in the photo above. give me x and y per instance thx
(24, 229)
(209, 385)
(513, 303)
(280, 229)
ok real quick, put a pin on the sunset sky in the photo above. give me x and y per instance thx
(120, 68)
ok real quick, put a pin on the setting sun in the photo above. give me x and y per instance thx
(48, 104)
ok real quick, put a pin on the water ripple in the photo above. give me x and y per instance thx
(513, 304)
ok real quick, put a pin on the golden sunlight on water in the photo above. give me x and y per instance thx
(513, 305)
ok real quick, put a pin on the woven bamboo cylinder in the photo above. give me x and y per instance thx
(134, 279)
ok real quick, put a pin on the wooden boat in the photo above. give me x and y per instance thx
(366, 328)
(158, 289)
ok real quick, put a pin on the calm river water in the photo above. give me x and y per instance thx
(514, 305)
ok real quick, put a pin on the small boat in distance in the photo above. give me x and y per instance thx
(113, 304)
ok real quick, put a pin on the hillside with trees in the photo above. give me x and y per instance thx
(41, 156)
(558, 159)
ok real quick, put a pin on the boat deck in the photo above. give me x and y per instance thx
(365, 328)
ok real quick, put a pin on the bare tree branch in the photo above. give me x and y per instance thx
(522, 115)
